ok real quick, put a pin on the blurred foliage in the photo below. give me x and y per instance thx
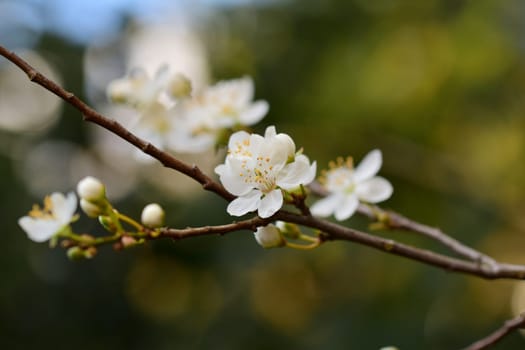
(438, 85)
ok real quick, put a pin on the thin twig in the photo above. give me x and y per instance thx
(250, 224)
(395, 220)
(507, 327)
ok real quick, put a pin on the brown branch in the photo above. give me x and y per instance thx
(507, 327)
(337, 232)
(395, 220)
(250, 224)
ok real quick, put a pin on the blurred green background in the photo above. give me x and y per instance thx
(438, 86)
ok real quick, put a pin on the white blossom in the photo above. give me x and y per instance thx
(347, 186)
(170, 117)
(138, 88)
(201, 119)
(269, 236)
(228, 103)
(42, 223)
(258, 168)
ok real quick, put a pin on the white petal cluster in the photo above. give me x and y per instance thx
(42, 223)
(138, 89)
(173, 118)
(258, 168)
(348, 186)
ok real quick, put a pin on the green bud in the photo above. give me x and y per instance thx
(75, 253)
(107, 223)
(90, 252)
(288, 230)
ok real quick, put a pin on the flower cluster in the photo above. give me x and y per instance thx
(347, 186)
(53, 221)
(258, 169)
(174, 118)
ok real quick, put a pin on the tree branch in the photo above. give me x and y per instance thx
(250, 224)
(393, 220)
(507, 327)
(337, 232)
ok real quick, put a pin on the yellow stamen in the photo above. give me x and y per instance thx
(43, 213)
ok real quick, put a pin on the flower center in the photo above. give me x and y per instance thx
(261, 176)
(340, 180)
(45, 213)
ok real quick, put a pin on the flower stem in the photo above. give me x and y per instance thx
(130, 221)
(303, 246)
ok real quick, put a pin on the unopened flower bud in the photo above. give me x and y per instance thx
(288, 230)
(269, 236)
(107, 223)
(152, 215)
(75, 253)
(90, 252)
(91, 189)
(128, 241)
(180, 86)
(92, 210)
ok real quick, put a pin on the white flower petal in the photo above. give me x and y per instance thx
(244, 204)
(347, 208)
(254, 113)
(237, 138)
(243, 89)
(369, 166)
(277, 147)
(233, 182)
(39, 230)
(327, 206)
(270, 204)
(296, 173)
(270, 132)
(374, 190)
(286, 144)
(221, 169)
(63, 208)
